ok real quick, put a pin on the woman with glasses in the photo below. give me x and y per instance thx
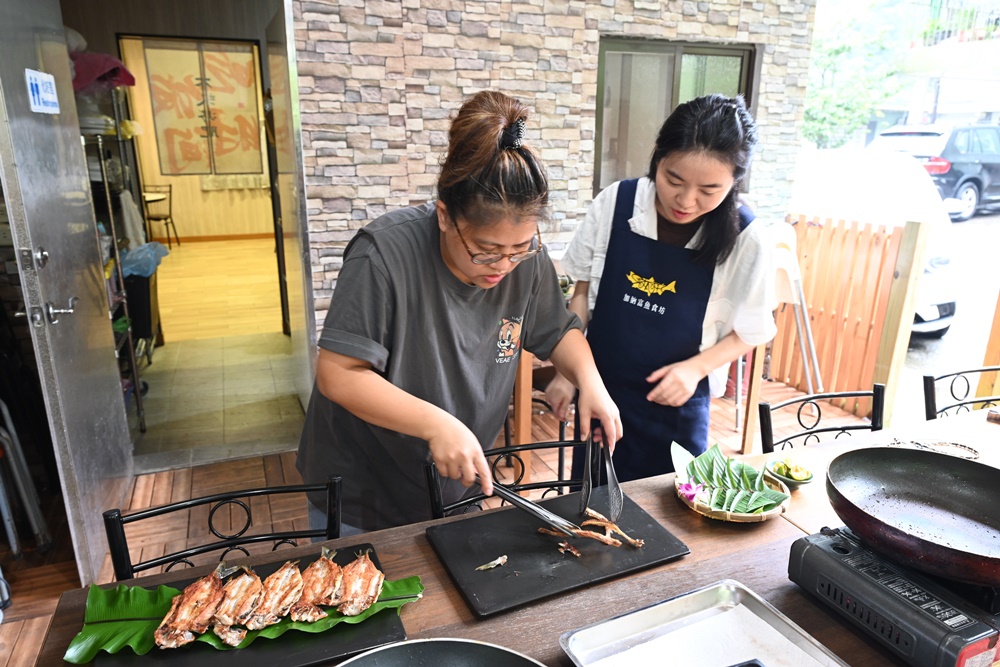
(421, 343)
(674, 283)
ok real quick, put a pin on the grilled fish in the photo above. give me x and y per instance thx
(241, 596)
(322, 584)
(190, 612)
(362, 585)
(281, 590)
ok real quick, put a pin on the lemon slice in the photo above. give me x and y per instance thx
(798, 473)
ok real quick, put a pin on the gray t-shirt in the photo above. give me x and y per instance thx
(398, 307)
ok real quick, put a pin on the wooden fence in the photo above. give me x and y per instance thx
(858, 281)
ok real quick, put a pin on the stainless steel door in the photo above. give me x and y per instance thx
(46, 185)
(290, 189)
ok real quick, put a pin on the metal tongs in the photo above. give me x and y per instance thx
(616, 499)
(562, 525)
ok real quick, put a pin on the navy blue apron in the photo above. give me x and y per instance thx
(650, 311)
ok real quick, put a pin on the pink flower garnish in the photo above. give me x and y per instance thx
(690, 491)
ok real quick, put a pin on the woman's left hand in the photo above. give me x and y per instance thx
(596, 403)
(676, 383)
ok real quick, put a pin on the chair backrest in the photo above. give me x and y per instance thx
(158, 208)
(961, 395)
(513, 456)
(809, 415)
(229, 539)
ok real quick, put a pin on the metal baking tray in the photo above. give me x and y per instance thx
(721, 625)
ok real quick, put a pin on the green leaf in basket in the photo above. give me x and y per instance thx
(756, 501)
(129, 615)
(701, 468)
(740, 501)
(746, 477)
(732, 485)
(731, 477)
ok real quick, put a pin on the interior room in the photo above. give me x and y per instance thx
(215, 362)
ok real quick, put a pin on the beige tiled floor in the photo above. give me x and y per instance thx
(221, 386)
(217, 398)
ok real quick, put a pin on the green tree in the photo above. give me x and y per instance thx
(850, 73)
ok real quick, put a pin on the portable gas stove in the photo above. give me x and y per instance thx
(925, 621)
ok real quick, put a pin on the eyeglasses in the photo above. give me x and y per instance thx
(494, 257)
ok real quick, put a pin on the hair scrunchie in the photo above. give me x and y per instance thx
(513, 135)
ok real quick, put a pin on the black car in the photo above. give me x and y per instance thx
(963, 160)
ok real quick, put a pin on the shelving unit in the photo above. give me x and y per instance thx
(118, 310)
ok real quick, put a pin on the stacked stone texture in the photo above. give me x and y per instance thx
(380, 81)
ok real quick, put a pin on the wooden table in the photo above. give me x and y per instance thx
(756, 555)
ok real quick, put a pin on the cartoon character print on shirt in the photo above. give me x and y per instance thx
(508, 340)
(649, 287)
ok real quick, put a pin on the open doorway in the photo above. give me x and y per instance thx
(66, 306)
(221, 382)
(227, 380)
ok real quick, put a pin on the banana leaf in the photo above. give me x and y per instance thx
(729, 484)
(129, 615)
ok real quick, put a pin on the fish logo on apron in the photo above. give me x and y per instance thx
(649, 285)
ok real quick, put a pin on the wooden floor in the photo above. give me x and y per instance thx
(222, 384)
(214, 289)
(37, 579)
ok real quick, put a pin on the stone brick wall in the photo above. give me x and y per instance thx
(380, 80)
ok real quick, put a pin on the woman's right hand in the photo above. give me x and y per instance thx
(458, 454)
(559, 394)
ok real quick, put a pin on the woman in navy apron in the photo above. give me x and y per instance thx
(685, 283)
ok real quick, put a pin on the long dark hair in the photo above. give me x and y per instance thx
(723, 127)
(489, 172)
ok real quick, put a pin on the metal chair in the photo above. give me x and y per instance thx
(158, 200)
(811, 432)
(125, 568)
(959, 390)
(508, 456)
(10, 448)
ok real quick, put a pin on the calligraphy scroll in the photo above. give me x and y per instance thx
(204, 99)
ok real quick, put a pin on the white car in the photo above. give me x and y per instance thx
(888, 187)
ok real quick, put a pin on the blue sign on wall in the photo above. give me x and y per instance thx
(42, 92)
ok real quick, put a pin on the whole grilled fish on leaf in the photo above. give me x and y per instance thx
(281, 590)
(322, 584)
(362, 585)
(241, 596)
(191, 612)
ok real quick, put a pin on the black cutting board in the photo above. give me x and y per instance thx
(535, 568)
(292, 649)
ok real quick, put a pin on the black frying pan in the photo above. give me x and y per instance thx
(934, 512)
(442, 652)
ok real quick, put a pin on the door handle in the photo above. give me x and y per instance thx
(36, 259)
(37, 319)
(54, 312)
